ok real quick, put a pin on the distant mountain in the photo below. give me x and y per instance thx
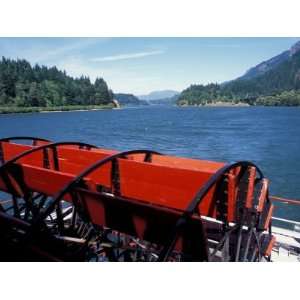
(157, 95)
(165, 101)
(129, 100)
(271, 63)
(284, 76)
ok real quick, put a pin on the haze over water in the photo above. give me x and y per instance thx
(268, 136)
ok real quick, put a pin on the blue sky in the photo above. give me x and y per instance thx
(141, 65)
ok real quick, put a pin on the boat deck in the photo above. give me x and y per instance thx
(287, 246)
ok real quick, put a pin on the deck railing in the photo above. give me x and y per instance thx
(276, 200)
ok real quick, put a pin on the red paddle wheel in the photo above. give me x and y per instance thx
(70, 201)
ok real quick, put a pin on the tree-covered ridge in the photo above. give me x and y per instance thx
(201, 94)
(271, 63)
(276, 84)
(286, 98)
(284, 77)
(23, 85)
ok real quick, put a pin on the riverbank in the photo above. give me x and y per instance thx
(227, 104)
(15, 110)
(216, 104)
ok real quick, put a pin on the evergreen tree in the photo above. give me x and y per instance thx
(26, 86)
(102, 94)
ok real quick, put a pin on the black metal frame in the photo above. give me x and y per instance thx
(34, 202)
(186, 216)
(52, 146)
(38, 220)
(79, 210)
(17, 138)
(10, 167)
(194, 204)
(78, 179)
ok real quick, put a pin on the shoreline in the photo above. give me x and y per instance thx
(26, 110)
(73, 110)
(217, 104)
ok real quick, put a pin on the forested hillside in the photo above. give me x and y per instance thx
(23, 85)
(271, 63)
(271, 87)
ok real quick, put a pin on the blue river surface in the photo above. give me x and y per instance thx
(268, 136)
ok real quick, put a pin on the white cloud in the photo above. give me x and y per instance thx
(42, 52)
(127, 56)
(119, 79)
(59, 51)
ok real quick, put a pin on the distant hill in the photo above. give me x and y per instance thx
(271, 63)
(129, 100)
(273, 82)
(165, 101)
(157, 95)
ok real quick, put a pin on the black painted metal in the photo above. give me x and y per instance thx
(170, 243)
(183, 222)
(148, 157)
(9, 167)
(59, 196)
(46, 162)
(16, 138)
(55, 158)
(115, 177)
(36, 149)
(1, 154)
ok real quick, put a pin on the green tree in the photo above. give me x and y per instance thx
(24, 85)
